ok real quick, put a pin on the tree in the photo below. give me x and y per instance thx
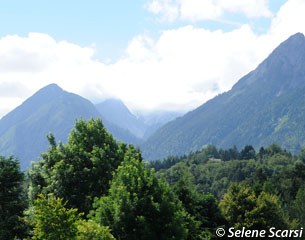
(247, 153)
(80, 170)
(89, 230)
(203, 155)
(139, 206)
(268, 213)
(52, 220)
(234, 154)
(12, 199)
(203, 208)
(288, 180)
(298, 206)
(274, 149)
(243, 208)
(302, 155)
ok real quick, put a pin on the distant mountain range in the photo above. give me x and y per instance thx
(114, 111)
(23, 131)
(141, 124)
(266, 106)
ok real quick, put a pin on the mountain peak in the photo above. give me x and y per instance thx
(114, 102)
(291, 50)
(110, 104)
(53, 87)
(297, 37)
(283, 69)
(47, 93)
(266, 106)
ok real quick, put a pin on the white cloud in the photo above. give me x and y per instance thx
(10, 103)
(197, 10)
(23, 54)
(166, 8)
(181, 68)
(187, 66)
(36, 60)
(289, 20)
(251, 9)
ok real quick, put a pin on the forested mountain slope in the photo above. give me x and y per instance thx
(265, 106)
(23, 131)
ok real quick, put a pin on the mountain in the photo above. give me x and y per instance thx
(142, 124)
(265, 106)
(23, 131)
(156, 119)
(116, 112)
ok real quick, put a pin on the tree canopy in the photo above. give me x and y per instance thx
(81, 169)
(12, 199)
(242, 207)
(93, 187)
(139, 206)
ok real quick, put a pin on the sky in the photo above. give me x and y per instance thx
(152, 54)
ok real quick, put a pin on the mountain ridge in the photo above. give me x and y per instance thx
(115, 111)
(51, 109)
(254, 111)
(140, 124)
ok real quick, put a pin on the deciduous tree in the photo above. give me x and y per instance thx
(139, 206)
(80, 170)
(243, 208)
(52, 220)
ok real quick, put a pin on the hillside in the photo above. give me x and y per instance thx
(23, 131)
(265, 106)
(115, 111)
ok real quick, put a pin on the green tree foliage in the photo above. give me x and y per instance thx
(287, 179)
(165, 163)
(274, 149)
(12, 199)
(139, 206)
(229, 154)
(52, 220)
(203, 155)
(203, 208)
(273, 176)
(89, 230)
(298, 206)
(302, 155)
(80, 170)
(235, 203)
(273, 170)
(247, 153)
(243, 208)
(132, 202)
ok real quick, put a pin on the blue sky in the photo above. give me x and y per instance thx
(110, 25)
(152, 54)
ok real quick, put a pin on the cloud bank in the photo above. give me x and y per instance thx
(181, 68)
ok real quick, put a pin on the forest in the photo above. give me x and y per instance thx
(93, 187)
